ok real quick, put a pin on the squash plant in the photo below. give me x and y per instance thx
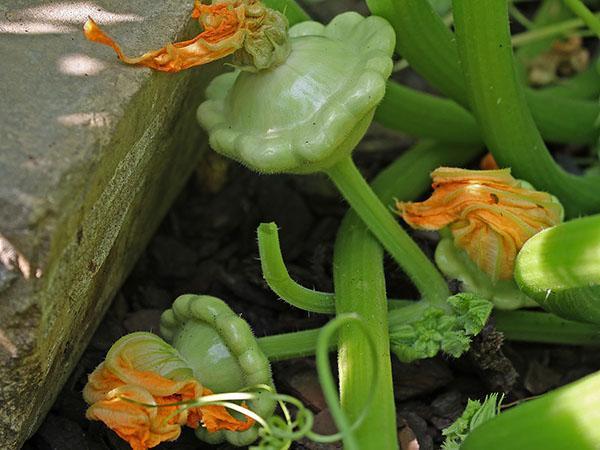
(299, 99)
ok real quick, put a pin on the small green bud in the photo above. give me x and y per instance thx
(266, 43)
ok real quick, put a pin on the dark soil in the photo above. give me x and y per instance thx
(207, 244)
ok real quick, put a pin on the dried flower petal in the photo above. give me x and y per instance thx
(229, 25)
(489, 213)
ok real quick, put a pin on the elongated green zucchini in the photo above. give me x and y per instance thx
(560, 269)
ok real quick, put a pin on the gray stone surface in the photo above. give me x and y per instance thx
(92, 152)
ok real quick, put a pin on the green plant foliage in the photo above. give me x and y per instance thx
(439, 331)
(474, 415)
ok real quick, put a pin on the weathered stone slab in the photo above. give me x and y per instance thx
(91, 154)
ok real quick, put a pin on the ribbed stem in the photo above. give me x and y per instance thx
(483, 39)
(360, 288)
(406, 178)
(383, 225)
(352, 437)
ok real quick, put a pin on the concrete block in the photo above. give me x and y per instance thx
(92, 152)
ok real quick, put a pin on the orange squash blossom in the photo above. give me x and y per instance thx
(143, 408)
(490, 214)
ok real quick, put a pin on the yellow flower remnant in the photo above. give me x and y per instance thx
(228, 26)
(145, 408)
(490, 214)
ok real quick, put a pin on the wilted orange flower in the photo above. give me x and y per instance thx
(225, 24)
(490, 214)
(139, 405)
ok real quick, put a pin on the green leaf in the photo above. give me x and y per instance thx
(437, 330)
(474, 415)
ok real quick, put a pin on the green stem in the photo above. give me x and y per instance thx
(529, 326)
(547, 32)
(591, 20)
(412, 168)
(549, 12)
(395, 240)
(426, 42)
(583, 86)
(298, 344)
(360, 288)
(520, 17)
(525, 326)
(549, 15)
(429, 46)
(423, 115)
(359, 283)
(553, 128)
(339, 414)
(483, 39)
(277, 277)
(407, 178)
